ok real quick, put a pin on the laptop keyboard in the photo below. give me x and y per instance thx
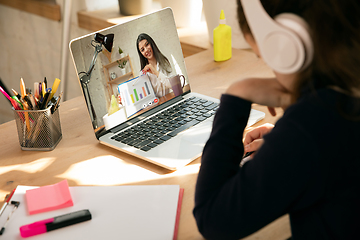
(167, 124)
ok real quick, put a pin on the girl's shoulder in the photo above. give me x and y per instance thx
(323, 109)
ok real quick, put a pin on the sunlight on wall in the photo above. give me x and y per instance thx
(176, 65)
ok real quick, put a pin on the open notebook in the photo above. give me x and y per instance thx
(159, 119)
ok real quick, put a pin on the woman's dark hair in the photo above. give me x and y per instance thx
(160, 58)
(335, 31)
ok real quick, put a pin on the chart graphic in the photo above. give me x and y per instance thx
(137, 94)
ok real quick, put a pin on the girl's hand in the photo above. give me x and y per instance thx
(266, 91)
(149, 68)
(254, 138)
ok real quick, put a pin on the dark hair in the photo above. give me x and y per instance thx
(160, 58)
(335, 31)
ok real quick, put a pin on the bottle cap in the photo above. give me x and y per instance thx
(222, 17)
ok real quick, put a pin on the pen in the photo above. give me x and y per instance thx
(4, 87)
(54, 107)
(32, 100)
(26, 107)
(29, 103)
(18, 101)
(22, 87)
(54, 223)
(45, 81)
(43, 89)
(54, 87)
(5, 94)
(28, 91)
(16, 94)
(4, 90)
(45, 100)
(248, 154)
(36, 89)
(245, 158)
(13, 100)
(6, 202)
(15, 104)
(40, 90)
(16, 205)
(23, 93)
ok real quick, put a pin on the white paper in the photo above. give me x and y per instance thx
(118, 212)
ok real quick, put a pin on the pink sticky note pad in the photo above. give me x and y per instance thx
(48, 198)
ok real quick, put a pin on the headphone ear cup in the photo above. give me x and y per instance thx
(284, 42)
(297, 25)
(282, 50)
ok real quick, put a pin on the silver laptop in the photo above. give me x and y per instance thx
(150, 114)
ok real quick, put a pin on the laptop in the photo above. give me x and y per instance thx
(154, 117)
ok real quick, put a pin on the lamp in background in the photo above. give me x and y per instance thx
(99, 41)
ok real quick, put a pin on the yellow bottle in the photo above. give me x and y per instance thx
(222, 40)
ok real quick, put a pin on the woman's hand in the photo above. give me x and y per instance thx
(151, 69)
(254, 138)
(266, 91)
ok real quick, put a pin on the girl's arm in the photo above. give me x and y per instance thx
(233, 202)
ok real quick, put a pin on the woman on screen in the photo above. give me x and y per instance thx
(154, 63)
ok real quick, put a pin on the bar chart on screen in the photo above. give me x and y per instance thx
(136, 94)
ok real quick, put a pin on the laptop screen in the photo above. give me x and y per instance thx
(144, 69)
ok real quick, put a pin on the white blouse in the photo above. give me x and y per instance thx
(161, 84)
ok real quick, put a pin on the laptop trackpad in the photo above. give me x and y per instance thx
(198, 134)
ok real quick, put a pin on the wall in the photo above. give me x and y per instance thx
(31, 49)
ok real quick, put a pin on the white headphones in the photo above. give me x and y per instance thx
(284, 42)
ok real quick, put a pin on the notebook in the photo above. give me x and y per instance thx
(160, 119)
(118, 212)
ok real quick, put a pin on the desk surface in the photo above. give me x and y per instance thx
(81, 159)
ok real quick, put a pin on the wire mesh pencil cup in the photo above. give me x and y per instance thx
(38, 130)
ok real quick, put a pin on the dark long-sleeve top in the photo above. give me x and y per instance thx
(308, 166)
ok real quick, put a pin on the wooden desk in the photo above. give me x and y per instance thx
(83, 161)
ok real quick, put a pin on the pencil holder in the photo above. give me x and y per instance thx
(38, 130)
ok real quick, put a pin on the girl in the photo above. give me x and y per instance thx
(308, 164)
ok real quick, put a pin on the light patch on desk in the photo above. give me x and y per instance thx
(189, 169)
(32, 167)
(107, 170)
(74, 109)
